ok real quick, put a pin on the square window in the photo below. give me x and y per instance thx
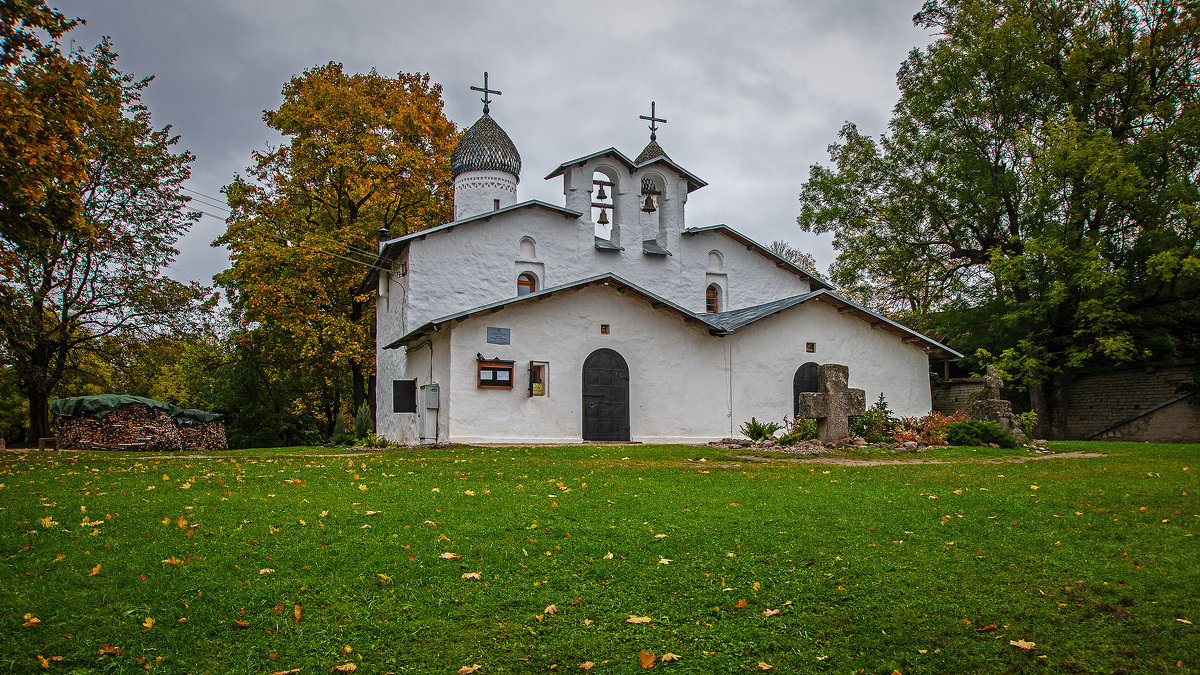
(810, 347)
(538, 375)
(495, 374)
(604, 329)
(404, 396)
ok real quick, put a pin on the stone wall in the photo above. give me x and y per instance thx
(1100, 400)
(953, 394)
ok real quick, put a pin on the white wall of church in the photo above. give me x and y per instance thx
(478, 191)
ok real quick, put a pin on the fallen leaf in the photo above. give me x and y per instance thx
(763, 665)
(242, 624)
(669, 657)
(148, 623)
(266, 570)
(31, 621)
(469, 493)
(608, 556)
(467, 670)
(1184, 621)
(470, 575)
(587, 622)
(58, 557)
(637, 619)
(985, 628)
(770, 612)
(344, 668)
(587, 665)
(1022, 644)
(664, 561)
(741, 604)
(44, 661)
(296, 612)
(449, 556)
(647, 659)
(661, 536)
(106, 650)
(293, 671)
(551, 609)
(95, 570)
(384, 579)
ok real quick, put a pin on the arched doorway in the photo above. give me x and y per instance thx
(605, 397)
(805, 380)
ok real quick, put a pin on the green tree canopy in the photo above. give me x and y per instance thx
(367, 154)
(1036, 194)
(89, 269)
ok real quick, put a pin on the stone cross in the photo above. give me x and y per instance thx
(993, 383)
(833, 403)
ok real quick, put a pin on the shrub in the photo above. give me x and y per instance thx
(1027, 423)
(759, 431)
(797, 430)
(930, 429)
(362, 422)
(978, 432)
(876, 424)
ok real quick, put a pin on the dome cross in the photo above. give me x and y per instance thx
(487, 99)
(652, 119)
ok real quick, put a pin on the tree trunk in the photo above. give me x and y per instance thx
(1039, 405)
(1060, 404)
(371, 394)
(39, 418)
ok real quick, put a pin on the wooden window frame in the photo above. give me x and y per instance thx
(712, 299)
(526, 279)
(539, 373)
(492, 368)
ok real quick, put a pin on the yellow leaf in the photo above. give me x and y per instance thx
(469, 493)
(587, 665)
(1022, 644)
(467, 670)
(384, 579)
(95, 570)
(105, 650)
(770, 612)
(31, 621)
(449, 556)
(48, 522)
(647, 659)
(266, 570)
(1184, 621)
(669, 657)
(608, 556)
(344, 668)
(345, 650)
(757, 586)
(470, 575)
(296, 612)
(551, 609)
(362, 487)
(148, 623)
(58, 557)
(637, 619)
(763, 665)
(166, 520)
(664, 561)
(166, 477)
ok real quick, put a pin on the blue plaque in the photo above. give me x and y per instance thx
(498, 336)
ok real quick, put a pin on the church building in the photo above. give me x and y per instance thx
(608, 317)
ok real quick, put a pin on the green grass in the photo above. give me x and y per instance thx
(873, 568)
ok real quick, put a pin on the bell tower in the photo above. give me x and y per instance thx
(485, 164)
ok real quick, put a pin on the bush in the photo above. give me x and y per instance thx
(876, 424)
(362, 422)
(1027, 423)
(797, 430)
(759, 431)
(978, 432)
(930, 429)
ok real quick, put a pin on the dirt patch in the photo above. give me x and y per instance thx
(854, 461)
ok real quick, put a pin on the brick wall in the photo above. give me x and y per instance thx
(950, 395)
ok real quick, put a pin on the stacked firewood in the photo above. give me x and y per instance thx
(133, 426)
(206, 437)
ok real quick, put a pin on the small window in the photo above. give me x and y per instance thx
(712, 303)
(537, 378)
(526, 284)
(404, 396)
(604, 329)
(496, 374)
(810, 347)
(495, 204)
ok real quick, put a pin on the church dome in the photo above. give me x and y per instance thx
(652, 151)
(485, 147)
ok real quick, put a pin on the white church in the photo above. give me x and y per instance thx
(609, 317)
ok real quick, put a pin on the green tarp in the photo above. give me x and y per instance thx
(98, 406)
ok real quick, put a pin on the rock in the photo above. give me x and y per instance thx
(860, 441)
(1041, 442)
(993, 445)
(910, 445)
(768, 444)
(1020, 436)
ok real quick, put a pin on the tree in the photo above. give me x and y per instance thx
(367, 154)
(1036, 195)
(90, 267)
(792, 254)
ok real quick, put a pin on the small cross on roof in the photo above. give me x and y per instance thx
(653, 119)
(487, 99)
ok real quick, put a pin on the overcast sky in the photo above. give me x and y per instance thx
(753, 91)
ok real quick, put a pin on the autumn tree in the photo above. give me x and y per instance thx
(367, 154)
(88, 267)
(1036, 195)
(802, 259)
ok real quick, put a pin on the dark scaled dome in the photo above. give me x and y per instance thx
(485, 147)
(651, 151)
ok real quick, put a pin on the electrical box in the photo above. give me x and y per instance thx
(430, 394)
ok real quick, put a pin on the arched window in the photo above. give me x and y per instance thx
(805, 380)
(526, 284)
(716, 262)
(528, 249)
(604, 203)
(712, 299)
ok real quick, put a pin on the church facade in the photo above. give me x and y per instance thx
(607, 318)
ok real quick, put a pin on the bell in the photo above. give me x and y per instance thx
(603, 219)
(601, 194)
(648, 207)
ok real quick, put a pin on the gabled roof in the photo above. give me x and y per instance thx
(613, 280)
(752, 245)
(694, 182)
(392, 247)
(724, 323)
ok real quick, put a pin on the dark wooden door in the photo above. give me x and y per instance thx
(605, 397)
(805, 380)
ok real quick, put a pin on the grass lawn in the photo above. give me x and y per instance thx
(419, 561)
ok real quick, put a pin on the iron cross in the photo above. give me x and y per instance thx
(651, 118)
(486, 99)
